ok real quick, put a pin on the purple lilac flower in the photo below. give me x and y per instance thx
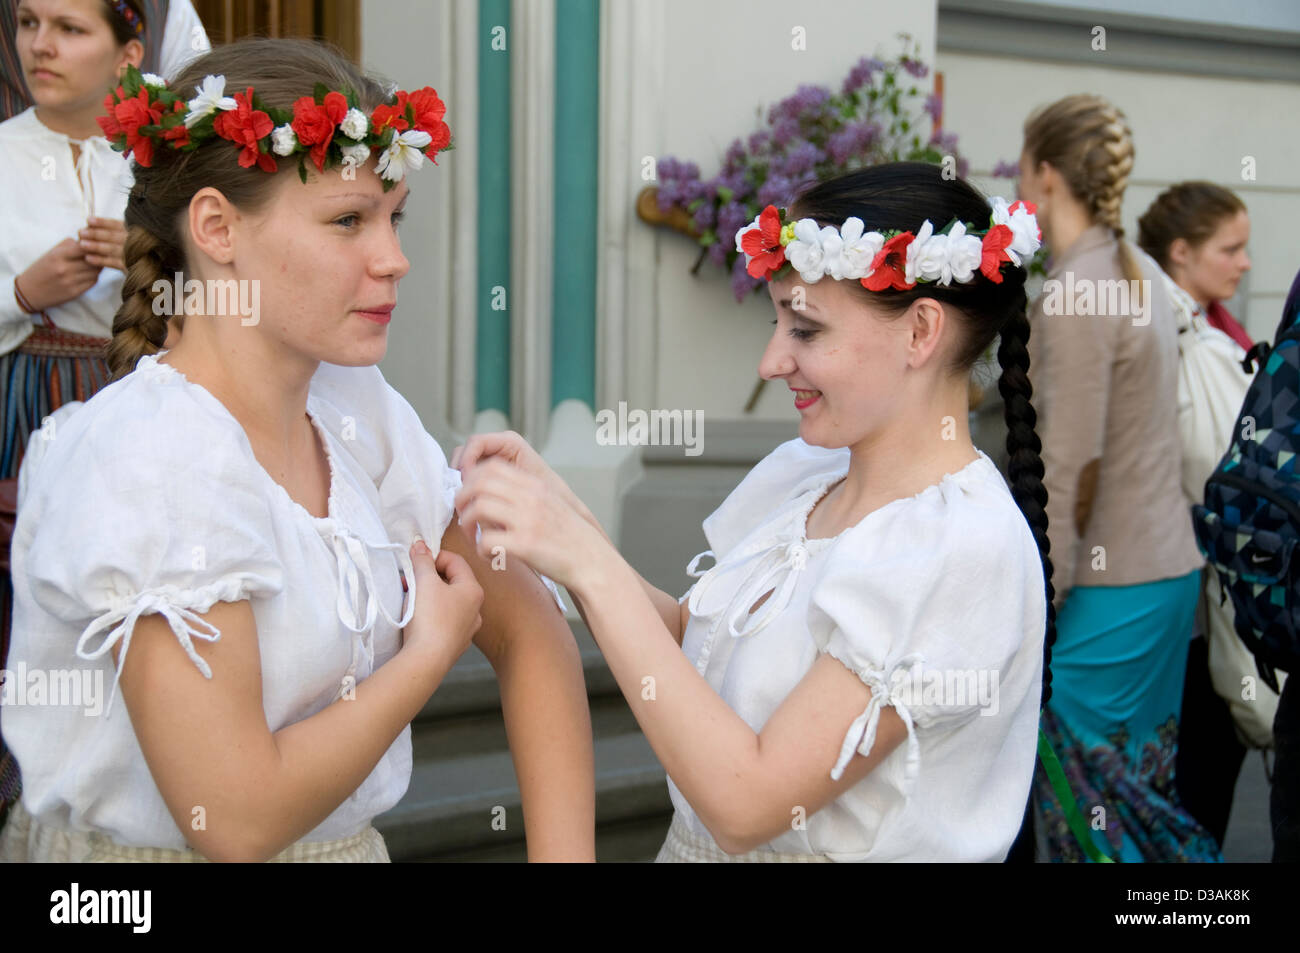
(718, 253)
(806, 99)
(851, 141)
(669, 195)
(736, 182)
(705, 216)
(732, 217)
(861, 73)
(915, 67)
(777, 190)
(734, 158)
(742, 283)
(800, 159)
(784, 130)
(944, 141)
(759, 140)
(934, 105)
(669, 168)
(1006, 170)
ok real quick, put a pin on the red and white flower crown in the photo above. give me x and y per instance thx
(143, 114)
(891, 259)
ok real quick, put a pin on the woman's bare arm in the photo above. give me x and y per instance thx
(544, 701)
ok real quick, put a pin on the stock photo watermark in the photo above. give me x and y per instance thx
(653, 428)
(228, 297)
(53, 688)
(1087, 297)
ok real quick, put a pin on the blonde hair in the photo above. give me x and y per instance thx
(1087, 140)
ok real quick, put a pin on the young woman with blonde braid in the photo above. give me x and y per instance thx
(1127, 566)
(222, 535)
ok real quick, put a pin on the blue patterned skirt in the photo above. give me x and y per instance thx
(1117, 684)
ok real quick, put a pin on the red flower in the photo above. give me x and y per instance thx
(245, 126)
(993, 252)
(128, 116)
(889, 265)
(763, 244)
(108, 122)
(394, 115)
(178, 135)
(429, 110)
(314, 124)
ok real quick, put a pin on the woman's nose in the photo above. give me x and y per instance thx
(776, 360)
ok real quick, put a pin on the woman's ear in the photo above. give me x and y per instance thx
(132, 55)
(211, 225)
(928, 323)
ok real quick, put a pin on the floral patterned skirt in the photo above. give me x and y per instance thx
(1117, 683)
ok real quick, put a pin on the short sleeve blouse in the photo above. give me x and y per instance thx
(149, 499)
(935, 601)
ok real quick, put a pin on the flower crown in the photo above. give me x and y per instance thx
(143, 114)
(891, 259)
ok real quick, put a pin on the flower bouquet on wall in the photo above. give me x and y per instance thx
(877, 116)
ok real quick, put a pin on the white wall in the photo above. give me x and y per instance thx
(727, 59)
(1184, 127)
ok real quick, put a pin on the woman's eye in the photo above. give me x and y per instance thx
(347, 221)
(398, 218)
(802, 334)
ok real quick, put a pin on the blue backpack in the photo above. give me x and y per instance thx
(1249, 524)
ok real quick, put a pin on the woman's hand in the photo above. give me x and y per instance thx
(103, 240)
(515, 450)
(526, 515)
(447, 603)
(58, 276)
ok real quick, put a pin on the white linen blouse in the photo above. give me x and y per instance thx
(149, 499)
(46, 198)
(935, 601)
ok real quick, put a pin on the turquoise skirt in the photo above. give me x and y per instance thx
(1117, 685)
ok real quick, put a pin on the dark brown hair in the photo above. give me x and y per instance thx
(1192, 211)
(280, 71)
(123, 32)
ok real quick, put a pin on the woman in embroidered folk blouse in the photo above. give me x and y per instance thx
(858, 676)
(227, 524)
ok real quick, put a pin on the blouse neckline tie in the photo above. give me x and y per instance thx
(357, 585)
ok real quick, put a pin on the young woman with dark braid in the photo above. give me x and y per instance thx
(222, 535)
(858, 676)
(1104, 362)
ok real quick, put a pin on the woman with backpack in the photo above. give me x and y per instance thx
(1104, 363)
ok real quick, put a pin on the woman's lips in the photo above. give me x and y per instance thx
(805, 398)
(381, 316)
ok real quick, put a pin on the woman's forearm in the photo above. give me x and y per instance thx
(544, 700)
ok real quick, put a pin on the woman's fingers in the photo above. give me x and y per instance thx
(507, 444)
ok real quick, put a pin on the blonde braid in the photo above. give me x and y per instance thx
(136, 329)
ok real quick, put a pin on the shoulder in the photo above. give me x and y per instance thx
(149, 436)
(21, 127)
(949, 572)
(790, 470)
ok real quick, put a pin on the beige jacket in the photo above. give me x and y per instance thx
(1105, 375)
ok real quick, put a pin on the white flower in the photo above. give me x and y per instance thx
(1024, 228)
(283, 140)
(927, 257)
(211, 97)
(403, 153)
(856, 251)
(808, 252)
(964, 253)
(152, 79)
(356, 155)
(355, 124)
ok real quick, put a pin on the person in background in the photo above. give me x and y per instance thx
(165, 51)
(1128, 573)
(1197, 232)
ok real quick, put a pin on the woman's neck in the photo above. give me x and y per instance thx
(266, 392)
(1065, 221)
(73, 124)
